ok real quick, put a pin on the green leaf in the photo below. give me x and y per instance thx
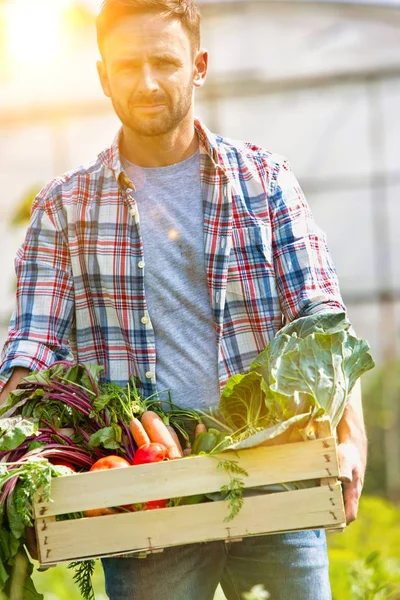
(277, 346)
(108, 437)
(4, 574)
(325, 322)
(20, 584)
(324, 367)
(95, 371)
(242, 404)
(269, 433)
(17, 399)
(102, 401)
(14, 431)
(16, 524)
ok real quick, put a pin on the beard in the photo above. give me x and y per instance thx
(153, 125)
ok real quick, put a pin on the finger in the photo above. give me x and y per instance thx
(347, 462)
(351, 496)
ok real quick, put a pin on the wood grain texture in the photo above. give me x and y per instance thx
(101, 536)
(193, 475)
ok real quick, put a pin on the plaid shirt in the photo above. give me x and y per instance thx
(81, 271)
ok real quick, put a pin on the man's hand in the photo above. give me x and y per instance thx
(352, 469)
(352, 453)
(17, 375)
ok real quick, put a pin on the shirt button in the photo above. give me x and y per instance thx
(141, 264)
(132, 211)
(145, 320)
(149, 375)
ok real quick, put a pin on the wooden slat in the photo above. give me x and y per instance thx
(102, 536)
(193, 475)
(324, 430)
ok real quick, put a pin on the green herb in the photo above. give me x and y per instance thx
(233, 491)
(83, 577)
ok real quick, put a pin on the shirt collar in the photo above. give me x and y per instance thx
(209, 144)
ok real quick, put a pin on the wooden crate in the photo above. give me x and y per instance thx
(311, 508)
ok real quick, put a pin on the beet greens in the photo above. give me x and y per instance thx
(61, 414)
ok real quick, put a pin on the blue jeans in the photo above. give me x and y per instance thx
(291, 566)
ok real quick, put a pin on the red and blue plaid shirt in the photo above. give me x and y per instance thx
(80, 271)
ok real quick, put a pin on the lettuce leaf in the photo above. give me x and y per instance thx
(308, 368)
(264, 435)
(324, 368)
(323, 322)
(242, 404)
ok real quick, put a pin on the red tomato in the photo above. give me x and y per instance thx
(149, 453)
(152, 504)
(107, 462)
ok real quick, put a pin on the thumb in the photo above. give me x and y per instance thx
(347, 462)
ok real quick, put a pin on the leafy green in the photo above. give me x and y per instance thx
(20, 584)
(263, 435)
(20, 485)
(14, 431)
(108, 437)
(242, 404)
(323, 367)
(308, 369)
(323, 322)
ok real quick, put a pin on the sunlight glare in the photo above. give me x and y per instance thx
(34, 30)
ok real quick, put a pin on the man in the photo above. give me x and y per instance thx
(173, 257)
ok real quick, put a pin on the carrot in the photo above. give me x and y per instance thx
(139, 433)
(158, 432)
(200, 428)
(175, 438)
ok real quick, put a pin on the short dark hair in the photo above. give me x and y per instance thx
(112, 11)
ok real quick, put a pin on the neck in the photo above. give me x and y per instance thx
(159, 151)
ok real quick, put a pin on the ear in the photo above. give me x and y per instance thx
(200, 68)
(105, 84)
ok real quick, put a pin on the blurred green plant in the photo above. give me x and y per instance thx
(381, 394)
(365, 559)
(22, 212)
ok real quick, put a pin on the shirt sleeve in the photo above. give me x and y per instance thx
(43, 315)
(306, 277)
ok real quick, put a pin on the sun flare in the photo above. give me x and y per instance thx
(34, 30)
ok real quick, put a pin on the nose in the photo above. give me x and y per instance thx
(147, 82)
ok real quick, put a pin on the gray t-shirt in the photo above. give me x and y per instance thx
(171, 220)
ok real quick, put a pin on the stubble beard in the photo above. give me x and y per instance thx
(155, 125)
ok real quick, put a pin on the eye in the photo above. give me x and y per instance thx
(127, 66)
(161, 62)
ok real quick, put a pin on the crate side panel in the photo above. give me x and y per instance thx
(193, 475)
(286, 511)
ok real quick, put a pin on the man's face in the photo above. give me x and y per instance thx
(148, 72)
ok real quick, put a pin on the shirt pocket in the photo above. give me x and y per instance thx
(250, 260)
